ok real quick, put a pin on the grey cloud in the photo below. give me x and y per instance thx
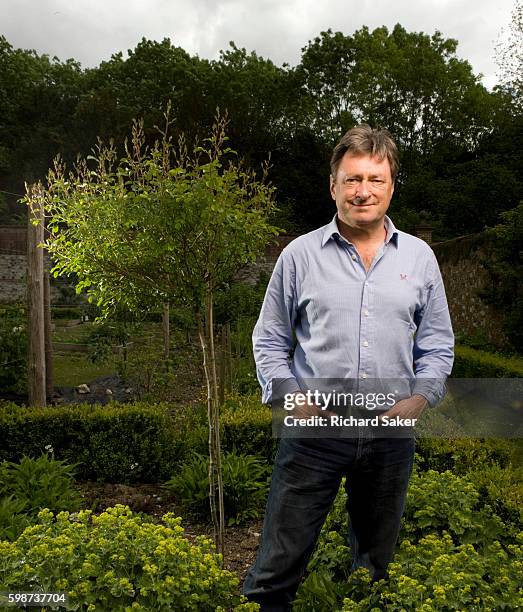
(91, 31)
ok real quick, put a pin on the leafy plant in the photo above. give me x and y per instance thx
(456, 553)
(244, 485)
(438, 502)
(13, 520)
(117, 561)
(40, 483)
(319, 592)
(436, 575)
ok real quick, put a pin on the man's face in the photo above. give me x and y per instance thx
(362, 190)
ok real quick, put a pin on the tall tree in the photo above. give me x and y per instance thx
(509, 55)
(162, 224)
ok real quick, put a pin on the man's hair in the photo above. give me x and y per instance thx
(363, 140)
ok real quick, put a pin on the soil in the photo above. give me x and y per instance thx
(102, 390)
(241, 542)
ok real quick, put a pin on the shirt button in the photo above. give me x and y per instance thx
(354, 257)
(366, 313)
(365, 343)
(363, 375)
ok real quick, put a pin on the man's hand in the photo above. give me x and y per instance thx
(409, 408)
(303, 409)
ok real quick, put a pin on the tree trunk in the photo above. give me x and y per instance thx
(35, 302)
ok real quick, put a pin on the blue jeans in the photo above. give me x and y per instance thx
(306, 478)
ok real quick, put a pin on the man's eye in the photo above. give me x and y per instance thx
(350, 181)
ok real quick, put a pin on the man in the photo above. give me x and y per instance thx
(356, 299)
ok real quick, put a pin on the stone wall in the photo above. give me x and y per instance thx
(265, 264)
(461, 263)
(13, 270)
(12, 278)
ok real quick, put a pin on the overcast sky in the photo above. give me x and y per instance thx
(91, 30)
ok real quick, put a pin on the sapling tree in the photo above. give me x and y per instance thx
(166, 223)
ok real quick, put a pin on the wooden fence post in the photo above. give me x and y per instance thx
(35, 299)
(48, 341)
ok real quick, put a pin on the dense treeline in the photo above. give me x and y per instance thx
(460, 144)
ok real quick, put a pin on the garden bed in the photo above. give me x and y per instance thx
(241, 541)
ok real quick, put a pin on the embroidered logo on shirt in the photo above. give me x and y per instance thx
(403, 276)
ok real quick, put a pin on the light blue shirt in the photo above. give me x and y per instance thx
(344, 322)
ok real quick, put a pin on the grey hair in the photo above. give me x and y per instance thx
(364, 140)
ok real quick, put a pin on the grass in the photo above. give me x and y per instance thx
(73, 369)
(77, 333)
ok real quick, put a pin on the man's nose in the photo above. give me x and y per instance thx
(363, 190)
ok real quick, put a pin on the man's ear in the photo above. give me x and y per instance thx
(332, 188)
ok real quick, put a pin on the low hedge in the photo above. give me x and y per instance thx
(247, 427)
(471, 363)
(68, 312)
(115, 443)
(140, 442)
(128, 443)
(463, 454)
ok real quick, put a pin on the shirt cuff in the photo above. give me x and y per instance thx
(432, 389)
(277, 388)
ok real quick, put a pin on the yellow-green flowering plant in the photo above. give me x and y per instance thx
(118, 561)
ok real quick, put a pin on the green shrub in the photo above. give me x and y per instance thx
(115, 443)
(463, 454)
(460, 541)
(240, 300)
(13, 349)
(442, 502)
(117, 561)
(128, 443)
(471, 363)
(247, 427)
(502, 488)
(244, 486)
(504, 265)
(437, 575)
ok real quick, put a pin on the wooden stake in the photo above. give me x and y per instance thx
(35, 299)
(48, 338)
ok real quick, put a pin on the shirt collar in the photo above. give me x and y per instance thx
(332, 230)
